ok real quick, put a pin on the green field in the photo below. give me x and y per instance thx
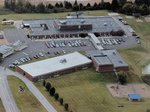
(25, 101)
(1, 107)
(138, 57)
(86, 91)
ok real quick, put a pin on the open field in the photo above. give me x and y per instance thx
(86, 91)
(1, 107)
(25, 101)
(138, 57)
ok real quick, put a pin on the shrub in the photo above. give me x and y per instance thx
(66, 106)
(61, 101)
(56, 96)
(48, 86)
(83, 35)
(44, 83)
(52, 91)
(122, 77)
(117, 33)
(148, 110)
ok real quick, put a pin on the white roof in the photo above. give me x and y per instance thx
(55, 64)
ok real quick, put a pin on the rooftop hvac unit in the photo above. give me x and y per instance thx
(63, 61)
(63, 22)
(82, 21)
(105, 24)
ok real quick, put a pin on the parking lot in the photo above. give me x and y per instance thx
(118, 42)
(42, 49)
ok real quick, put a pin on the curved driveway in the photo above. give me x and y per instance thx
(5, 93)
(7, 97)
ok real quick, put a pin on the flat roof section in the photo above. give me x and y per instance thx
(112, 55)
(55, 64)
(103, 60)
(99, 24)
(115, 58)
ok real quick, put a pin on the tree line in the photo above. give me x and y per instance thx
(22, 6)
(122, 6)
(141, 7)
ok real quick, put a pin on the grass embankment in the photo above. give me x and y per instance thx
(25, 101)
(1, 107)
(85, 91)
(139, 56)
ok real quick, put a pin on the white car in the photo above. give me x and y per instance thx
(41, 54)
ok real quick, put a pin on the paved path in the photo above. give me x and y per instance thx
(34, 91)
(5, 93)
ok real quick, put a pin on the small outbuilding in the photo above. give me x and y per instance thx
(135, 97)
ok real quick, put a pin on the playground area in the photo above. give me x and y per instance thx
(121, 91)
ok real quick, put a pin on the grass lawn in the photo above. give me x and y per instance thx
(1, 107)
(85, 91)
(140, 56)
(26, 102)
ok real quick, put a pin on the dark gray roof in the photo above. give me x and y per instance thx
(102, 60)
(112, 55)
(100, 24)
(115, 58)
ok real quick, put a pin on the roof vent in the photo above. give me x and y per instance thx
(105, 24)
(63, 22)
(63, 61)
(82, 21)
(114, 53)
(120, 62)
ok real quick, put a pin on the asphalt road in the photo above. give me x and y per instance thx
(5, 93)
(34, 91)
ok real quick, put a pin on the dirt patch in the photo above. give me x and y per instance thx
(113, 14)
(147, 19)
(1, 2)
(123, 90)
(129, 17)
(3, 41)
(139, 20)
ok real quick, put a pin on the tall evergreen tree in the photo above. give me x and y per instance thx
(40, 8)
(114, 5)
(1, 57)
